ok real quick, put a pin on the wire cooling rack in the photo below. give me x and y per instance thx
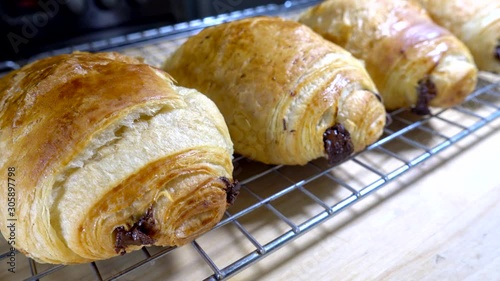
(292, 199)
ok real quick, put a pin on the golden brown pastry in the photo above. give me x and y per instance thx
(414, 62)
(475, 22)
(287, 95)
(108, 155)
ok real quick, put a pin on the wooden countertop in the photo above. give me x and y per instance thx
(440, 221)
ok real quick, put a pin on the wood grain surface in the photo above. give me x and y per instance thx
(440, 221)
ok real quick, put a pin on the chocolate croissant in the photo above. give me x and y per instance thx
(476, 23)
(414, 62)
(287, 95)
(105, 155)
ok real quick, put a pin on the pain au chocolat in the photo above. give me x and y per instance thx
(109, 155)
(288, 96)
(476, 23)
(413, 61)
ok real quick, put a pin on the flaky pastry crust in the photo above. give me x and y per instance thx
(414, 62)
(476, 23)
(109, 155)
(287, 95)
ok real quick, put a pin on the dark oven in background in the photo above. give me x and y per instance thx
(28, 27)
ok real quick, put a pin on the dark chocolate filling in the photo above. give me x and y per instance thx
(497, 52)
(338, 144)
(232, 189)
(426, 91)
(139, 234)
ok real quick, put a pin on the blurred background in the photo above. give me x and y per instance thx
(29, 27)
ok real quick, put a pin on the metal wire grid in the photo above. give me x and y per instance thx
(324, 192)
(289, 9)
(298, 198)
